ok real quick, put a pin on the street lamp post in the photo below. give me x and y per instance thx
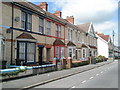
(113, 45)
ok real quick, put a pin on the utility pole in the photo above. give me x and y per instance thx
(113, 45)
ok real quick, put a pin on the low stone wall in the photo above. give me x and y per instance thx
(30, 71)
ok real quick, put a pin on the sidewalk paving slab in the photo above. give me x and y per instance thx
(40, 79)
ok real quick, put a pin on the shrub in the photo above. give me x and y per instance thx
(80, 63)
(76, 64)
(13, 73)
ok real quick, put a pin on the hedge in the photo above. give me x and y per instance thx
(80, 63)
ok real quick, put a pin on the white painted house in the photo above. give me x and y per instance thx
(103, 44)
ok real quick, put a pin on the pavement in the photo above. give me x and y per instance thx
(33, 81)
(102, 77)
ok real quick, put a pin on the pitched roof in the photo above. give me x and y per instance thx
(105, 37)
(94, 47)
(58, 42)
(70, 44)
(84, 27)
(83, 45)
(37, 8)
(25, 36)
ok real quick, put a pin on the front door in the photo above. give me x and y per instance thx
(48, 54)
(40, 55)
(76, 54)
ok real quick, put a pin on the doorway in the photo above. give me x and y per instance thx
(40, 55)
(47, 54)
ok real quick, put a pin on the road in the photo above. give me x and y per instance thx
(102, 77)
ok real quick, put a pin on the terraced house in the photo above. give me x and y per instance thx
(34, 36)
(88, 40)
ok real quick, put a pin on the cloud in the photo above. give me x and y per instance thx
(105, 26)
(88, 10)
(99, 12)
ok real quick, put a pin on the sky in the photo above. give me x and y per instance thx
(102, 13)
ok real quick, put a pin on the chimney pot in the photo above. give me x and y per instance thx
(43, 5)
(70, 19)
(58, 13)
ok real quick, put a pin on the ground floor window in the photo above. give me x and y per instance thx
(59, 52)
(26, 51)
(72, 52)
(84, 53)
(62, 51)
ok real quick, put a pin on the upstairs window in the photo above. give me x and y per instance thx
(82, 37)
(58, 30)
(78, 37)
(29, 22)
(69, 34)
(26, 21)
(41, 25)
(23, 19)
(48, 28)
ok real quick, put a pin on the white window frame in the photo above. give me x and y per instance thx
(57, 30)
(41, 25)
(48, 27)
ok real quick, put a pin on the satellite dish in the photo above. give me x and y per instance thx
(17, 19)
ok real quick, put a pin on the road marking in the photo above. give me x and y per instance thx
(83, 81)
(73, 87)
(97, 74)
(101, 72)
(48, 75)
(91, 78)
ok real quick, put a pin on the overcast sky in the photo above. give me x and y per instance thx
(102, 13)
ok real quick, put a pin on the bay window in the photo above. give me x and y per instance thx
(22, 50)
(62, 51)
(59, 52)
(70, 52)
(26, 51)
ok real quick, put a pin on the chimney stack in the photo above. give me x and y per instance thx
(70, 19)
(43, 5)
(58, 13)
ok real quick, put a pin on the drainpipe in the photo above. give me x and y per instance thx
(12, 35)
